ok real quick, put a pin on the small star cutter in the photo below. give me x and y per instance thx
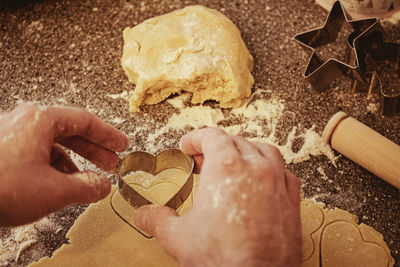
(383, 60)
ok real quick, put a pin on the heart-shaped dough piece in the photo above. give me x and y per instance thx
(312, 219)
(342, 244)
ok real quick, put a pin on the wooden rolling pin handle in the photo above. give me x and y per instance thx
(364, 146)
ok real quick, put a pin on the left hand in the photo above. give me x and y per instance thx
(37, 176)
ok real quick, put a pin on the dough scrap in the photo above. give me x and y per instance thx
(100, 238)
(194, 49)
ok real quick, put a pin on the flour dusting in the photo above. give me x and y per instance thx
(216, 195)
(258, 119)
(393, 19)
(322, 172)
(21, 238)
(124, 95)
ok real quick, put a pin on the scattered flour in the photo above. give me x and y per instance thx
(394, 19)
(196, 117)
(322, 172)
(228, 181)
(34, 28)
(73, 87)
(117, 120)
(258, 119)
(228, 161)
(216, 195)
(232, 214)
(372, 108)
(143, 178)
(235, 215)
(22, 237)
(82, 163)
(95, 110)
(124, 95)
(37, 116)
(8, 138)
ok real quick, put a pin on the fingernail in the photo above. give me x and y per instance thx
(114, 166)
(123, 144)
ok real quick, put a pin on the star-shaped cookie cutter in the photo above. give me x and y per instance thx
(366, 42)
(319, 73)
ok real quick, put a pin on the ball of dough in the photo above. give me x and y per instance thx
(194, 49)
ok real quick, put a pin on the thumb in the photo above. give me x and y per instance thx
(50, 190)
(87, 187)
(160, 222)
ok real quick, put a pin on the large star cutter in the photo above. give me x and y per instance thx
(363, 44)
(319, 73)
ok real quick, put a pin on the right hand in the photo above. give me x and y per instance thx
(246, 211)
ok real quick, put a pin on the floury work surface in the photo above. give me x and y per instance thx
(68, 52)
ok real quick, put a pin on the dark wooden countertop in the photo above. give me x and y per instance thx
(68, 52)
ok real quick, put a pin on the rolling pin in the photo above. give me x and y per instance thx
(364, 146)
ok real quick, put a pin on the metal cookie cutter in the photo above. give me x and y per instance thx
(319, 73)
(143, 161)
(369, 58)
(384, 63)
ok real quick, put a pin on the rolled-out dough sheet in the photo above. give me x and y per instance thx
(100, 238)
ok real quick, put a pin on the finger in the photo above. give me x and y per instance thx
(85, 187)
(52, 190)
(73, 121)
(159, 221)
(208, 141)
(271, 153)
(198, 162)
(293, 187)
(105, 159)
(245, 147)
(60, 160)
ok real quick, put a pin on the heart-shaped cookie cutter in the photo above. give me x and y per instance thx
(143, 161)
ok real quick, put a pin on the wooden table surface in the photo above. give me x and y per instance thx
(68, 52)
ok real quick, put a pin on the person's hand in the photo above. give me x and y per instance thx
(246, 211)
(37, 176)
